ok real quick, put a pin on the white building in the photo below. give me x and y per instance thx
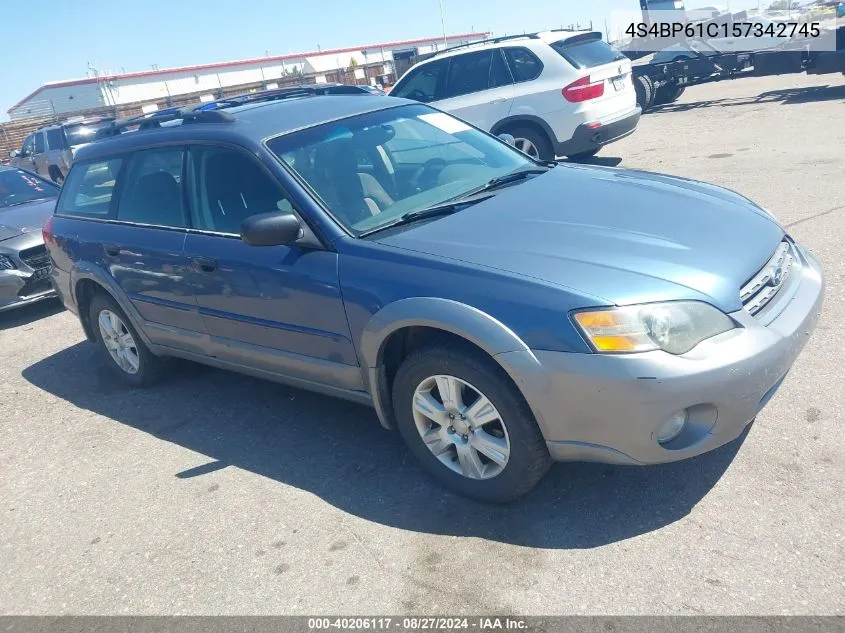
(151, 88)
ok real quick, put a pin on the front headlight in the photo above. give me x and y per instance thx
(675, 327)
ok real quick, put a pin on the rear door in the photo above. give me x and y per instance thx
(598, 61)
(479, 88)
(134, 227)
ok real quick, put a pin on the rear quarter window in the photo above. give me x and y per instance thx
(524, 65)
(588, 54)
(89, 188)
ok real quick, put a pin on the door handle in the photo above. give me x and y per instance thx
(111, 250)
(205, 264)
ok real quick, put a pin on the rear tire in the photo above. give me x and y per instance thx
(533, 143)
(494, 416)
(644, 87)
(123, 350)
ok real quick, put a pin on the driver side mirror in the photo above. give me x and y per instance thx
(508, 138)
(14, 154)
(271, 229)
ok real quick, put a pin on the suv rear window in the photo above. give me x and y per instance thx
(89, 188)
(83, 133)
(587, 53)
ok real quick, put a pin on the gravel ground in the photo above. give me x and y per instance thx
(216, 493)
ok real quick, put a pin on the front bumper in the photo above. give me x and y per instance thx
(586, 140)
(17, 289)
(609, 408)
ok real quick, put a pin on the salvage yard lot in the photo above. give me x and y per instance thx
(217, 493)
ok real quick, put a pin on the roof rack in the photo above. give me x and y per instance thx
(492, 40)
(146, 122)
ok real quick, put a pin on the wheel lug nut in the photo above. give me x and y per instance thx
(451, 429)
(464, 437)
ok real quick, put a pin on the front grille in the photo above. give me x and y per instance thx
(766, 284)
(36, 257)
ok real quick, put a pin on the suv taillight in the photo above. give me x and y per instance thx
(47, 232)
(583, 90)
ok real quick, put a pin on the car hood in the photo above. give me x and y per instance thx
(621, 235)
(25, 218)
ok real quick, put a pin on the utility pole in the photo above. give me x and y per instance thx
(443, 25)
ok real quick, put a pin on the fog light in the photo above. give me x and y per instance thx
(672, 427)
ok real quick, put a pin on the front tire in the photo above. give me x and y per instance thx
(467, 425)
(124, 351)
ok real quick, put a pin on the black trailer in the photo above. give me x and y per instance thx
(662, 83)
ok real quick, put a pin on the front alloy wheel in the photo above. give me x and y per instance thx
(461, 427)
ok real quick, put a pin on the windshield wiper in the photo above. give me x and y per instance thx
(447, 208)
(499, 181)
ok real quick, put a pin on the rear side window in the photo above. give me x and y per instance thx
(523, 63)
(588, 54)
(424, 83)
(468, 73)
(152, 191)
(55, 139)
(89, 188)
(39, 142)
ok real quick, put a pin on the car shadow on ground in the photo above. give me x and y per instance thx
(787, 96)
(338, 451)
(27, 314)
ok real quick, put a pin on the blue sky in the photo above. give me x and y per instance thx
(57, 40)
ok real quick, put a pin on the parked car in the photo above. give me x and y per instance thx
(501, 312)
(49, 151)
(26, 202)
(559, 93)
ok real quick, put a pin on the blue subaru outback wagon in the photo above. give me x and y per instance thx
(500, 312)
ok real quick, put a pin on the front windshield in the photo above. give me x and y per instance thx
(18, 187)
(373, 168)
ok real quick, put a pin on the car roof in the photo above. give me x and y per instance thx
(251, 124)
(539, 38)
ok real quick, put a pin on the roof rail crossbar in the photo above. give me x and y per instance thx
(151, 122)
(492, 40)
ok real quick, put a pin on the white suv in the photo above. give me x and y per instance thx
(558, 93)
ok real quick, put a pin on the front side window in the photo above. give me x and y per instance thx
(39, 142)
(523, 64)
(424, 83)
(28, 145)
(88, 191)
(152, 190)
(469, 73)
(227, 187)
(434, 158)
(19, 187)
(55, 139)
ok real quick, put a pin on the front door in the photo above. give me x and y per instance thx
(276, 308)
(24, 159)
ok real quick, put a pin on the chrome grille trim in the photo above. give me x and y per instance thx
(766, 284)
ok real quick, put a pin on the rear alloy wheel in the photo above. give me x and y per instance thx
(468, 425)
(533, 143)
(124, 350)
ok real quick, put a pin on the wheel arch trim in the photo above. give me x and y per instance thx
(465, 321)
